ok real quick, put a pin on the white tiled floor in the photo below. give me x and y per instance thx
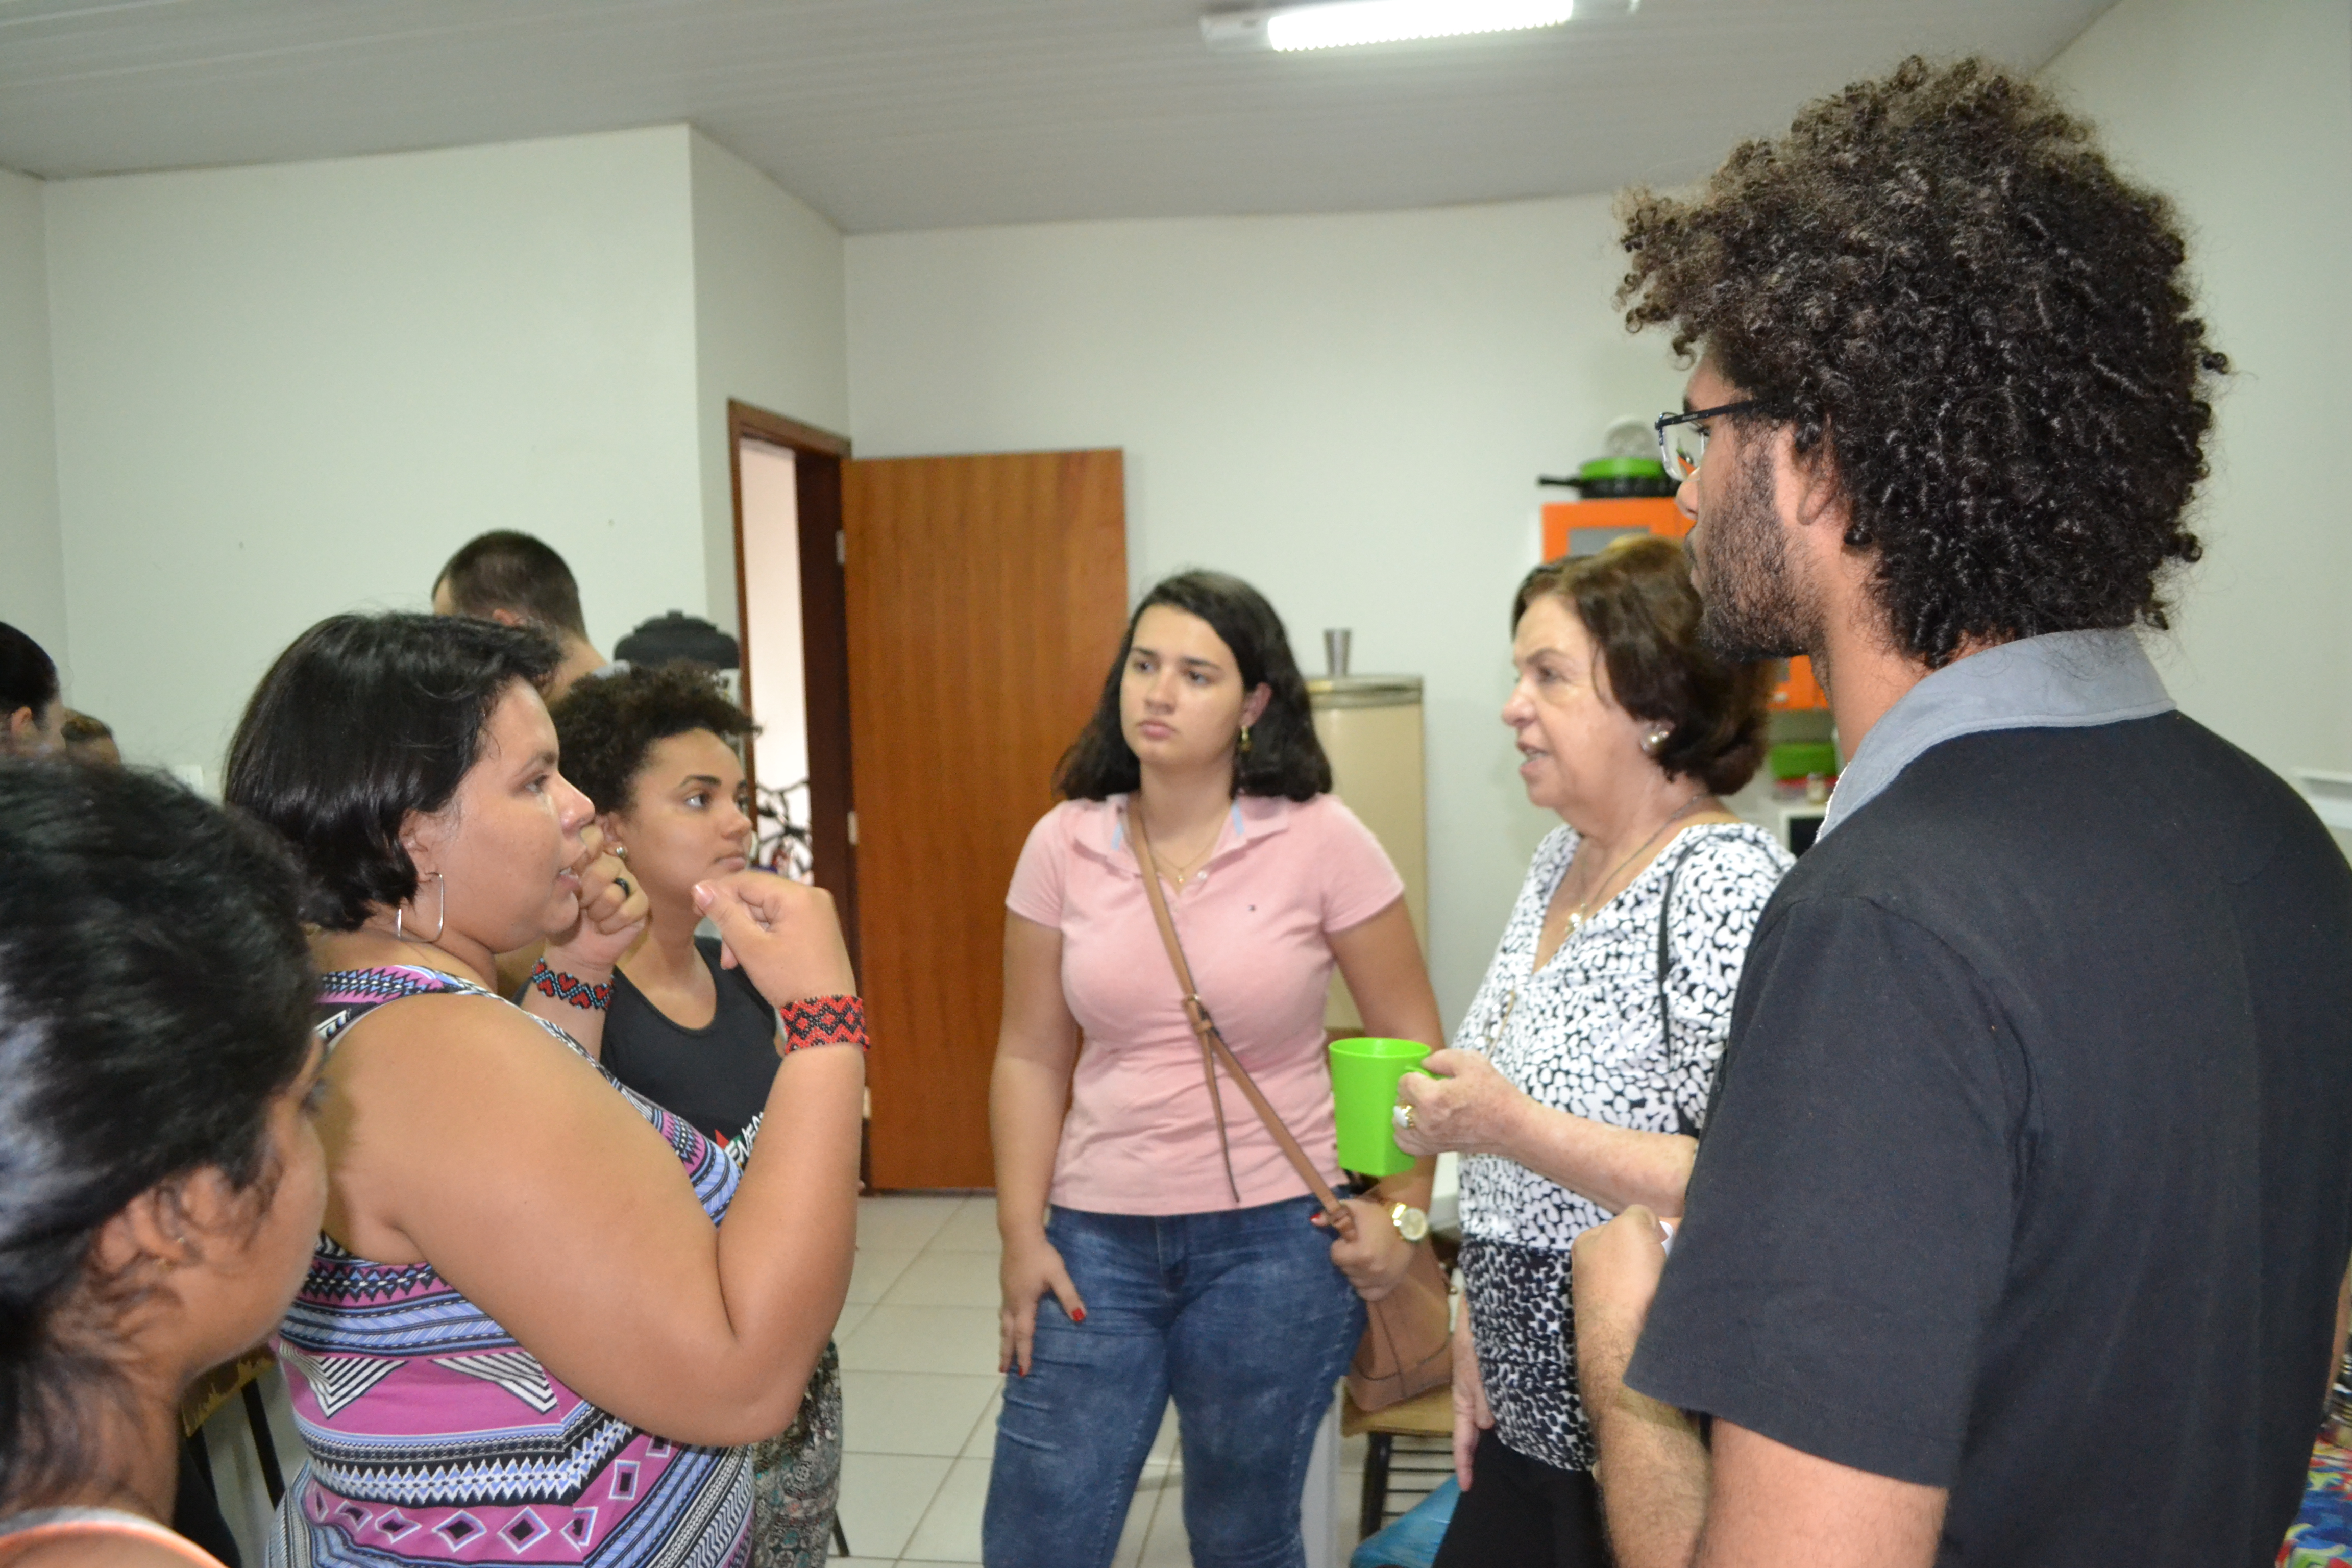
(919, 1397)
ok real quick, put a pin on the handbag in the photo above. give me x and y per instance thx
(1407, 1348)
(1683, 1122)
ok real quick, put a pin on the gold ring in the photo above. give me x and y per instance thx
(1402, 1116)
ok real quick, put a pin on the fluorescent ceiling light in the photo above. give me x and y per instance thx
(1340, 23)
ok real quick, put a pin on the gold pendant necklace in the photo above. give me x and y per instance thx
(1583, 910)
(1185, 868)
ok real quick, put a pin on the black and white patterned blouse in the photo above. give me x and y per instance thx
(1583, 1036)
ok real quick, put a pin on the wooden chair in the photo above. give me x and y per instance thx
(1429, 1415)
(230, 1380)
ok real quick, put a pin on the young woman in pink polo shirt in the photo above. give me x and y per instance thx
(1141, 1261)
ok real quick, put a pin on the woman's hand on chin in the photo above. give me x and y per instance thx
(612, 913)
(783, 934)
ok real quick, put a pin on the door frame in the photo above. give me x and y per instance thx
(817, 457)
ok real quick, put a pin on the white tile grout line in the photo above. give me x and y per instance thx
(1150, 1519)
(932, 1502)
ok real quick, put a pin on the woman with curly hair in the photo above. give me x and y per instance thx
(655, 749)
(2018, 1228)
(1157, 1243)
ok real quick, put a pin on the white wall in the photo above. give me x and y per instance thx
(32, 562)
(1348, 411)
(2242, 114)
(771, 591)
(769, 329)
(289, 391)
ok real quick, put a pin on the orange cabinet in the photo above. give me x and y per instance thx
(1584, 526)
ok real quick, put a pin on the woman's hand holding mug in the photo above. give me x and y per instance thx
(1463, 1106)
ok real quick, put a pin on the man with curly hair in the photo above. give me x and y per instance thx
(2015, 1235)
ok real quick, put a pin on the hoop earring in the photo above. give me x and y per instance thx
(399, 915)
(1245, 746)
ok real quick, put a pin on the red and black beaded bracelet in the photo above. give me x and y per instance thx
(585, 995)
(823, 1021)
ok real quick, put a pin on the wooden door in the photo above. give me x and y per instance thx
(986, 599)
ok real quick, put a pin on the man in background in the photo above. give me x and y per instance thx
(517, 581)
(2016, 1231)
(86, 739)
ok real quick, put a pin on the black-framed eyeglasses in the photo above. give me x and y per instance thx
(1682, 438)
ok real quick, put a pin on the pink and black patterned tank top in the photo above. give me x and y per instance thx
(433, 1437)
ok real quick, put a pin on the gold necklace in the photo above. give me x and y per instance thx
(1579, 915)
(1583, 910)
(1178, 874)
(1184, 868)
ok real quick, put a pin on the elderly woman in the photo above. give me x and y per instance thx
(1582, 1072)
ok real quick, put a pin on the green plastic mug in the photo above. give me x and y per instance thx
(1364, 1074)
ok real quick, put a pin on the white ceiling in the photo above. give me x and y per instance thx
(896, 114)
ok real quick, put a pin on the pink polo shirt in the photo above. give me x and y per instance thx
(1140, 1138)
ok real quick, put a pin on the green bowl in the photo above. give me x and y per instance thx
(1802, 759)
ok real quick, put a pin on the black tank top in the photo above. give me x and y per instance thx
(717, 1077)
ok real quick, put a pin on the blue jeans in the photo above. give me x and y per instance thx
(1241, 1317)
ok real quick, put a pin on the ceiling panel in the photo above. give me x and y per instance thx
(893, 114)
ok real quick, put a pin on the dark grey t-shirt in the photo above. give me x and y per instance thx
(2029, 1175)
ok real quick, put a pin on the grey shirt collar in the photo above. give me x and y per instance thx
(2064, 681)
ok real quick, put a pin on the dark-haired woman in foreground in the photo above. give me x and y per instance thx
(653, 748)
(1164, 1269)
(544, 1312)
(1582, 1069)
(160, 1182)
(30, 712)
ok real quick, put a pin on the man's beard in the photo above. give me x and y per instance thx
(1751, 606)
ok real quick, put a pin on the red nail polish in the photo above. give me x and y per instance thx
(1079, 1316)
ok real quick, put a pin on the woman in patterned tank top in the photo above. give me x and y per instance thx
(543, 1313)
(160, 1177)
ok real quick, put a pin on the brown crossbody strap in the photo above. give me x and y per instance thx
(1214, 1049)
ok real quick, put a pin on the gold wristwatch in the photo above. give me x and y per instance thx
(1410, 1223)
